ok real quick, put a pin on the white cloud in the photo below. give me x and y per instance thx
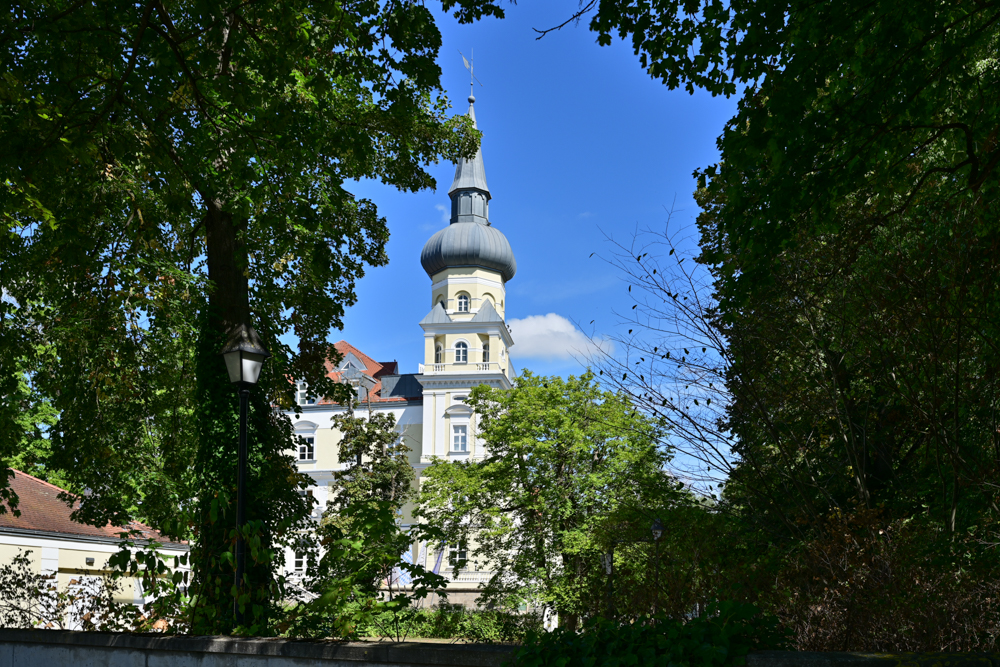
(445, 212)
(552, 336)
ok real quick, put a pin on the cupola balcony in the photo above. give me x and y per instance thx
(463, 368)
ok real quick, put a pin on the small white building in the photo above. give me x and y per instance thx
(67, 550)
(466, 343)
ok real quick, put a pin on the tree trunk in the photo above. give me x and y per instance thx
(229, 298)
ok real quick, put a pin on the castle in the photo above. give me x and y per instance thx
(466, 343)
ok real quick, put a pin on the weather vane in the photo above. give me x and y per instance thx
(469, 65)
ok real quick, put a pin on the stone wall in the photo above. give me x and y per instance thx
(64, 648)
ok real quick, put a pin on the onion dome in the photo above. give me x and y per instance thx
(470, 240)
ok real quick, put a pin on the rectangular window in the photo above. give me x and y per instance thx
(306, 449)
(300, 562)
(460, 439)
(458, 554)
(302, 395)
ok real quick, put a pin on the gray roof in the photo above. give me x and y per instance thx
(471, 174)
(401, 386)
(487, 313)
(469, 244)
(469, 240)
(436, 316)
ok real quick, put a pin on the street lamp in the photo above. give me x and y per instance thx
(244, 354)
(657, 530)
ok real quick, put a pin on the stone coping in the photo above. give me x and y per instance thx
(817, 659)
(410, 653)
(437, 652)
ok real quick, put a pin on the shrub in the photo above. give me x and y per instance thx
(869, 583)
(472, 626)
(720, 638)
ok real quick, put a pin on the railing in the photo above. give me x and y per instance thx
(469, 577)
(478, 366)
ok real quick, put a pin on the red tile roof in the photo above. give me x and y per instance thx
(42, 510)
(373, 369)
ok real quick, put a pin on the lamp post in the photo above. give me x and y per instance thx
(657, 530)
(244, 354)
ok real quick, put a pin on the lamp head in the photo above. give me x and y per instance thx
(244, 354)
(657, 529)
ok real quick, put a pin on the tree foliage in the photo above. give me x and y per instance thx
(562, 457)
(356, 573)
(850, 235)
(169, 170)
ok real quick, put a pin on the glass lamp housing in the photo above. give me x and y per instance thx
(657, 529)
(244, 354)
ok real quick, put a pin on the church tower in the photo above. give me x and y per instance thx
(466, 341)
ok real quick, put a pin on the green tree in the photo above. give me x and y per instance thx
(377, 473)
(849, 229)
(358, 561)
(562, 457)
(168, 170)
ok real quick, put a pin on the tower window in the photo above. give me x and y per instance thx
(307, 451)
(463, 303)
(486, 352)
(439, 355)
(461, 353)
(460, 438)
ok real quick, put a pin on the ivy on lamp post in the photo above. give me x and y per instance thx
(244, 354)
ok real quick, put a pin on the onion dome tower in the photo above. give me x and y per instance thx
(466, 340)
(469, 240)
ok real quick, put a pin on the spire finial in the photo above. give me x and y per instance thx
(470, 65)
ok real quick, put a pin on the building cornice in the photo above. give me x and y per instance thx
(467, 280)
(460, 380)
(91, 539)
(470, 327)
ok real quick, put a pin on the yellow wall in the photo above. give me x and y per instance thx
(412, 435)
(8, 551)
(476, 291)
(475, 342)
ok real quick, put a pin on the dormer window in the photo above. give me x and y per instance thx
(302, 395)
(439, 355)
(486, 353)
(463, 303)
(461, 353)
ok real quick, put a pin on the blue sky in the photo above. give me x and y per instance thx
(578, 142)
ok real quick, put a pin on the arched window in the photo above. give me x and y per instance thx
(486, 352)
(461, 352)
(463, 303)
(439, 355)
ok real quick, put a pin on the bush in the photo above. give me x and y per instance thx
(869, 583)
(473, 626)
(721, 638)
